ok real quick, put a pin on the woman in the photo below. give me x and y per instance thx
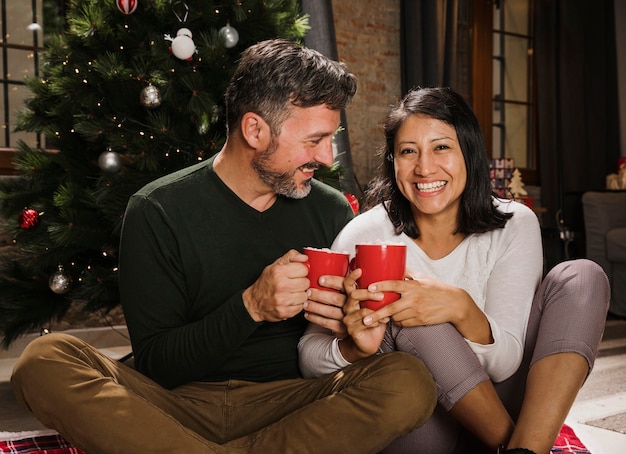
(473, 306)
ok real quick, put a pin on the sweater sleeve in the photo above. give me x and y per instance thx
(509, 293)
(319, 352)
(153, 287)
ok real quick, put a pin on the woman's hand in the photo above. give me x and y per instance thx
(423, 301)
(364, 339)
(428, 301)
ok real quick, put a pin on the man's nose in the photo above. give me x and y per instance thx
(325, 155)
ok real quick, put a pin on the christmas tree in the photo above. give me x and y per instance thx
(130, 91)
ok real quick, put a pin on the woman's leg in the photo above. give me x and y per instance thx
(463, 387)
(549, 397)
(564, 332)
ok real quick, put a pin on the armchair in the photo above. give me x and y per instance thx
(605, 230)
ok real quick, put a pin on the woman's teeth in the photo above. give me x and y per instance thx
(430, 187)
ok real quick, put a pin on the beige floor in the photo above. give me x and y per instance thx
(598, 416)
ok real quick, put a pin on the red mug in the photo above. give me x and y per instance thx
(324, 262)
(379, 262)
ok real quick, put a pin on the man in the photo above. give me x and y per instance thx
(216, 296)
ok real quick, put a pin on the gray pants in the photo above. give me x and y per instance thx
(568, 314)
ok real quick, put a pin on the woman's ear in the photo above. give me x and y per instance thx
(255, 131)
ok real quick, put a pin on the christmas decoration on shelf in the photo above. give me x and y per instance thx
(500, 172)
(617, 181)
(516, 188)
(127, 6)
(150, 97)
(110, 161)
(100, 101)
(229, 35)
(516, 185)
(28, 219)
(60, 283)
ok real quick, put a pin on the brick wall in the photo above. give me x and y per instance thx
(368, 41)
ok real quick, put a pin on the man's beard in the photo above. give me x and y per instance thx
(282, 183)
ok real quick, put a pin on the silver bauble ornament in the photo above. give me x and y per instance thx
(229, 35)
(110, 161)
(183, 46)
(150, 97)
(60, 283)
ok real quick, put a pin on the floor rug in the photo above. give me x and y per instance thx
(36, 442)
(567, 441)
(49, 442)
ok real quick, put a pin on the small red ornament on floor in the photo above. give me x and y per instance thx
(28, 219)
(354, 202)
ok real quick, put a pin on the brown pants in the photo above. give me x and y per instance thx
(104, 406)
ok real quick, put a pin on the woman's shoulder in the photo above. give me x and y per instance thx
(375, 218)
(369, 226)
(521, 213)
(522, 226)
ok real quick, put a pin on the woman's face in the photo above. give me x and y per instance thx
(429, 166)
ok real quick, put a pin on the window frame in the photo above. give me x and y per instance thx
(482, 84)
(7, 80)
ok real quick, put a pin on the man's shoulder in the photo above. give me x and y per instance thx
(177, 179)
(322, 193)
(324, 189)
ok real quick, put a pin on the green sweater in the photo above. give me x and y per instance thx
(189, 248)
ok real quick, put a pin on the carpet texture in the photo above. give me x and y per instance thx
(48, 442)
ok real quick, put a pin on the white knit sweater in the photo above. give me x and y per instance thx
(501, 271)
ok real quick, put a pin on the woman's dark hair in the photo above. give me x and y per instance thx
(477, 213)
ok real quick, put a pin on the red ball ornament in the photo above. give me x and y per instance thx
(354, 202)
(28, 219)
(127, 6)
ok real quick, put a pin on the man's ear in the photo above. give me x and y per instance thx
(255, 131)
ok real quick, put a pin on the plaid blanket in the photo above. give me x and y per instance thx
(566, 442)
(40, 444)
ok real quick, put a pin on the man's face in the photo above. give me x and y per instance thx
(304, 142)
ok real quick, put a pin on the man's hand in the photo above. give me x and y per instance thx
(325, 307)
(281, 290)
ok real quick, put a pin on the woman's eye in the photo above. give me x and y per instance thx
(406, 151)
(442, 147)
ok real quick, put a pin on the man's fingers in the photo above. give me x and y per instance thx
(290, 257)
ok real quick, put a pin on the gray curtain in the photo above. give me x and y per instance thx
(321, 37)
(577, 106)
(434, 44)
